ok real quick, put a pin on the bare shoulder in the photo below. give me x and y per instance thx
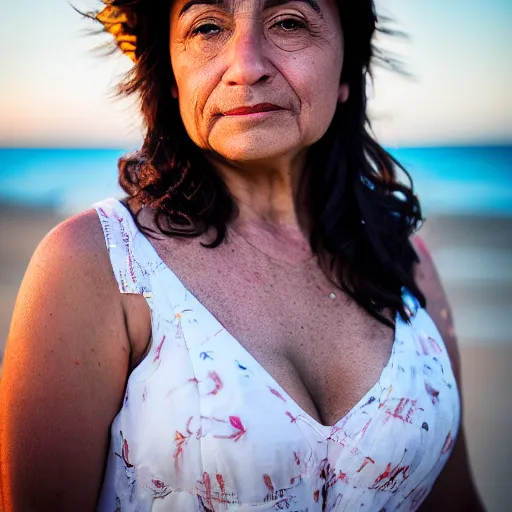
(78, 245)
(65, 368)
(455, 488)
(70, 274)
(82, 232)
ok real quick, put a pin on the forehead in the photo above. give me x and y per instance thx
(185, 5)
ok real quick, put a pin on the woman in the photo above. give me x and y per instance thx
(247, 330)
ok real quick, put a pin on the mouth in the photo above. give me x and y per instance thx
(255, 109)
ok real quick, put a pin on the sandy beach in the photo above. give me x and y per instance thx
(470, 253)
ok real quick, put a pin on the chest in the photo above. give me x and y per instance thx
(205, 426)
(325, 353)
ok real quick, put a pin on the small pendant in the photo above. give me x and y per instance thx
(332, 296)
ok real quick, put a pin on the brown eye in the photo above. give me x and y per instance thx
(206, 29)
(290, 24)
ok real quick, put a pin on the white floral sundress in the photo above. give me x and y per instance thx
(204, 427)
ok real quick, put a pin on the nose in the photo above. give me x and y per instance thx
(247, 62)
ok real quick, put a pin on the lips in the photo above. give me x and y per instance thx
(260, 107)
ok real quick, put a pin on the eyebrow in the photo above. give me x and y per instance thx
(267, 5)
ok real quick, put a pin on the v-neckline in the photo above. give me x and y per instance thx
(267, 375)
(290, 399)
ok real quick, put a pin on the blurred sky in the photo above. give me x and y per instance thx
(54, 91)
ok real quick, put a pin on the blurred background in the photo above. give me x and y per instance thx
(61, 133)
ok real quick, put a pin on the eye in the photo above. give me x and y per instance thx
(206, 29)
(290, 24)
(211, 29)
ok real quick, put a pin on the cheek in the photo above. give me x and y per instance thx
(317, 85)
(194, 76)
(195, 88)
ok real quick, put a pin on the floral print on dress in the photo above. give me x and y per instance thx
(204, 427)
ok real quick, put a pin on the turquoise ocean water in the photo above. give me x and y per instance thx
(459, 180)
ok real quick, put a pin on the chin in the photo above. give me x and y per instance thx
(248, 147)
(254, 153)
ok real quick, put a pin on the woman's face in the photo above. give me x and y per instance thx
(228, 54)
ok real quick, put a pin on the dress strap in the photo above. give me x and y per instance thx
(123, 241)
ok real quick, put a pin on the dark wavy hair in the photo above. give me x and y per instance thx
(362, 215)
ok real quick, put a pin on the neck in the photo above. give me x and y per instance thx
(281, 245)
(273, 214)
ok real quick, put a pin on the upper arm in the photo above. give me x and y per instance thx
(65, 369)
(438, 308)
(454, 489)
